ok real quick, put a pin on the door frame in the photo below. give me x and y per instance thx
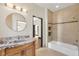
(41, 29)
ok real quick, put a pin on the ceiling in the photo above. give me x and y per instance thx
(55, 6)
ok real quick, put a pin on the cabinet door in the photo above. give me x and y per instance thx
(2, 52)
(13, 52)
(24, 52)
(27, 51)
(30, 51)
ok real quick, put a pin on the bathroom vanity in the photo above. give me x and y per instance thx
(2, 52)
(17, 45)
(27, 49)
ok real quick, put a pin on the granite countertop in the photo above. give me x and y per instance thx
(10, 45)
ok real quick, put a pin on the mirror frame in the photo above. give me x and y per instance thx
(16, 25)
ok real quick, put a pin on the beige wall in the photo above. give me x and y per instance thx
(50, 14)
(50, 20)
(32, 10)
(67, 32)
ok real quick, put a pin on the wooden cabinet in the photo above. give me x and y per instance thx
(2, 52)
(13, 52)
(23, 50)
(30, 51)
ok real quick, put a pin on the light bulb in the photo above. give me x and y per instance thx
(24, 10)
(18, 8)
(57, 6)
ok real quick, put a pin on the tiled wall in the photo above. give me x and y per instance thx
(68, 32)
(52, 19)
(50, 14)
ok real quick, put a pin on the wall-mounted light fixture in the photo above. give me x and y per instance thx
(18, 8)
(24, 10)
(15, 7)
(57, 6)
(9, 5)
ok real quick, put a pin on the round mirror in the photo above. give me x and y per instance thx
(16, 21)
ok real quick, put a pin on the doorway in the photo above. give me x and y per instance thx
(38, 30)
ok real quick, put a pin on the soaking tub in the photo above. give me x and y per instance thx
(64, 48)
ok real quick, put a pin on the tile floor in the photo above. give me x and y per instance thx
(48, 52)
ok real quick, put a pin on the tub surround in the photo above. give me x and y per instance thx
(22, 42)
(65, 25)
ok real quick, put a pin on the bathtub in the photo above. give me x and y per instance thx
(67, 49)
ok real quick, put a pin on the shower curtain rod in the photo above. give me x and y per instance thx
(63, 22)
